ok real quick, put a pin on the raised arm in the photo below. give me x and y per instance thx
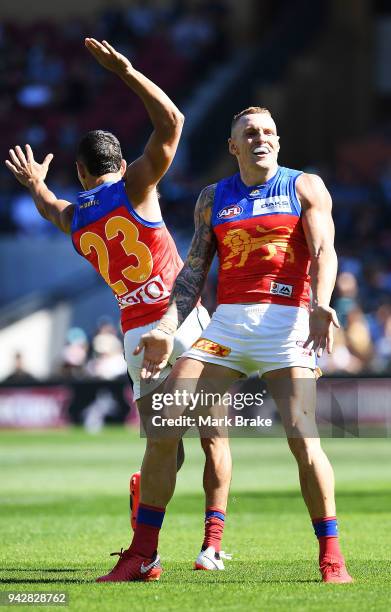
(319, 232)
(186, 291)
(145, 172)
(32, 175)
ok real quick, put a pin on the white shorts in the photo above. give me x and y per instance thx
(186, 335)
(255, 337)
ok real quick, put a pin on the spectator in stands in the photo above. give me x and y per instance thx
(346, 292)
(25, 219)
(142, 18)
(108, 359)
(358, 338)
(383, 349)
(341, 359)
(19, 373)
(74, 355)
(192, 33)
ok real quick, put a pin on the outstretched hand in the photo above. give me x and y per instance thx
(157, 346)
(323, 319)
(24, 167)
(107, 56)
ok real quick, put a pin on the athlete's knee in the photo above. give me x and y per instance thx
(305, 450)
(301, 424)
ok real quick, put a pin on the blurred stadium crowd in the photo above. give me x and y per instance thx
(82, 358)
(51, 93)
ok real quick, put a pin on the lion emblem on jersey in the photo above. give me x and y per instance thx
(241, 244)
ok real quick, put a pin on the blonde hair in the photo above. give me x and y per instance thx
(251, 110)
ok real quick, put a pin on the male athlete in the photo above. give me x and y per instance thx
(117, 226)
(273, 231)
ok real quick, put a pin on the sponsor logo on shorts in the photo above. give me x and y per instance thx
(154, 290)
(203, 344)
(228, 212)
(281, 289)
(274, 204)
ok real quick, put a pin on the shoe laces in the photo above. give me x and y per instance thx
(331, 565)
(224, 555)
(122, 557)
(121, 553)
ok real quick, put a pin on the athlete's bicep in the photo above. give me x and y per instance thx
(147, 170)
(191, 279)
(203, 246)
(317, 219)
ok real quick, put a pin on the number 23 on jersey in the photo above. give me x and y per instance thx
(130, 245)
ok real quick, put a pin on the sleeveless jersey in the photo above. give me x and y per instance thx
(263, 253)
(137, 259)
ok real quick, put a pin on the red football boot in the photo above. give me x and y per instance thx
(134, 488)
(333, 570)
(131, 567)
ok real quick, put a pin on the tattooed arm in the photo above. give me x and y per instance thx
(158, 343)
(191, 279)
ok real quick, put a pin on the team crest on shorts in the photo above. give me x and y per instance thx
(203, 344)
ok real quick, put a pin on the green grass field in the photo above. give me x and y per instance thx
(64, 508)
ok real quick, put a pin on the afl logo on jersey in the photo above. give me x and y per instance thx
(228, 212)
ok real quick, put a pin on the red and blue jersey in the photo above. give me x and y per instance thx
(262, 249)
(138, 259)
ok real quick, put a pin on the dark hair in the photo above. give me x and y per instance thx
(100, 152)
